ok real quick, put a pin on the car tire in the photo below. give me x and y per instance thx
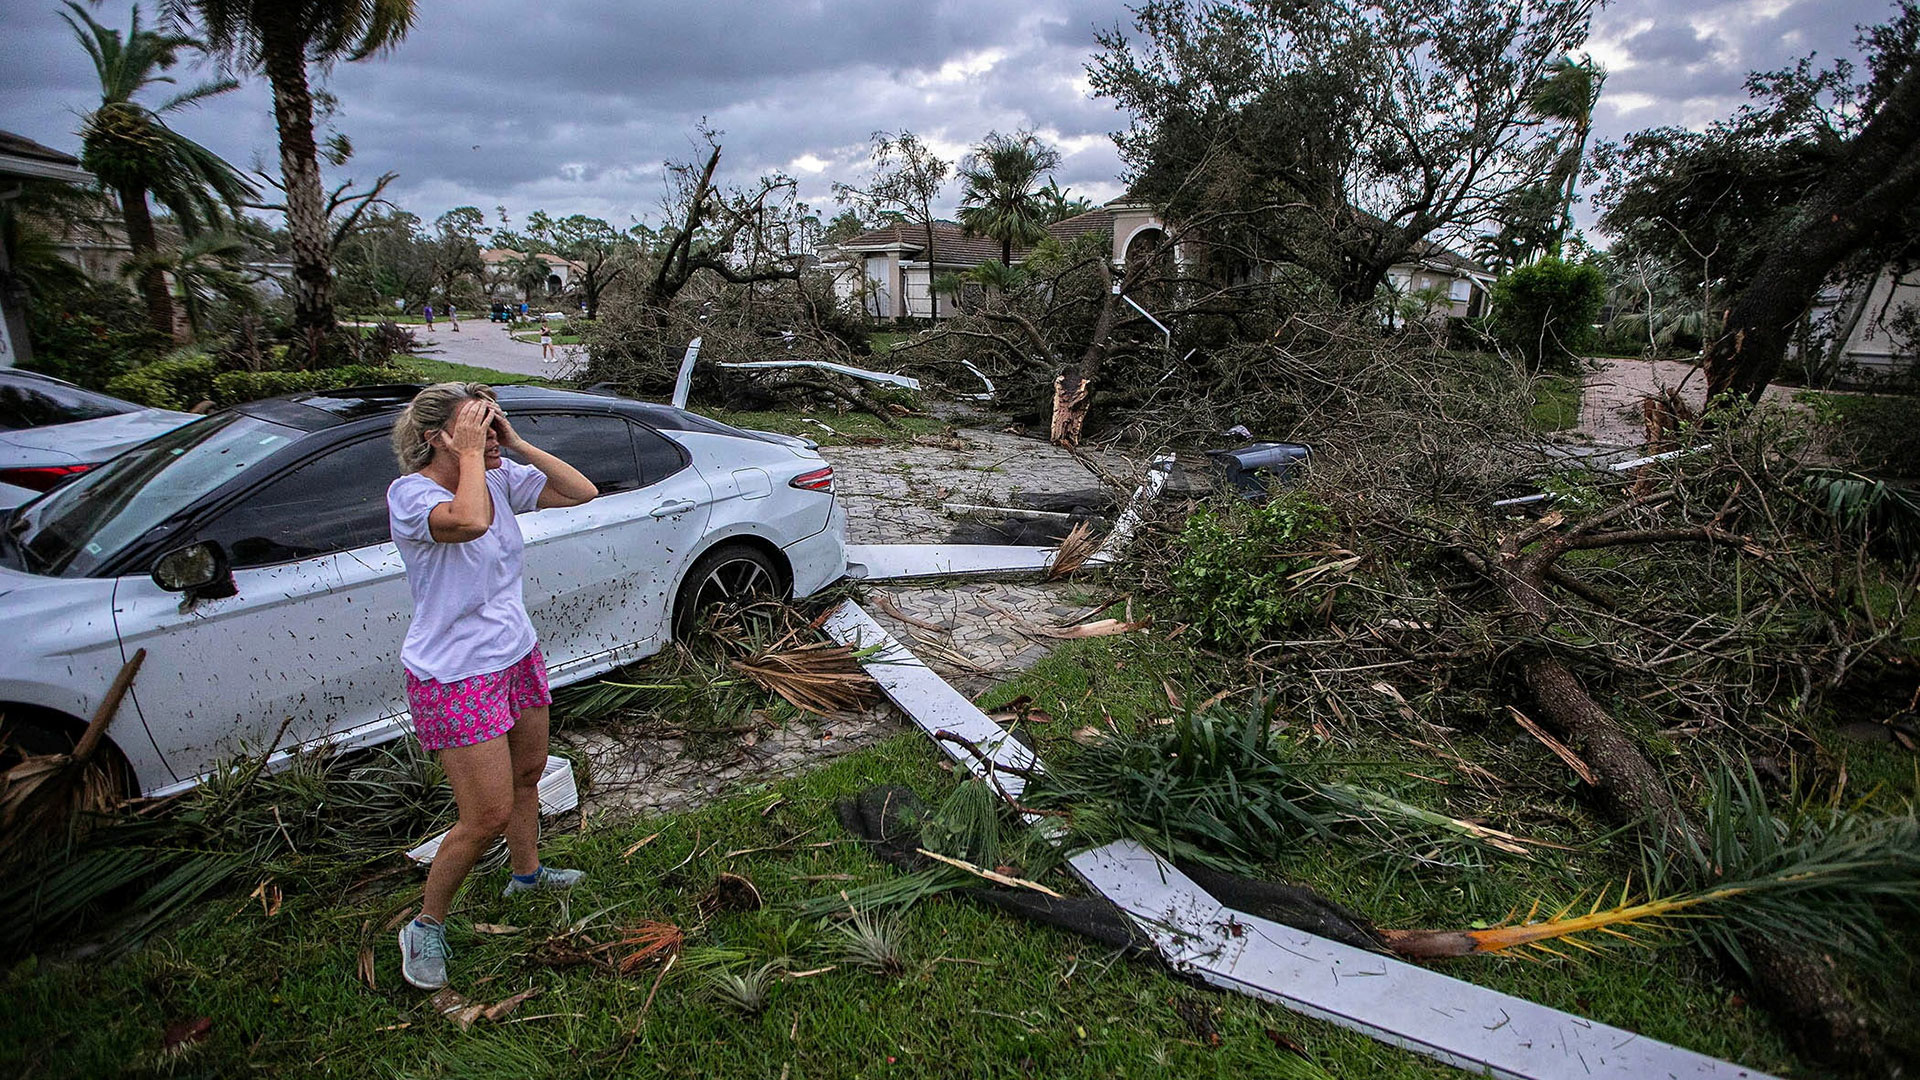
(27, 732)
(726, 574)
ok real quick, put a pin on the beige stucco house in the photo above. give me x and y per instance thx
(886, 272)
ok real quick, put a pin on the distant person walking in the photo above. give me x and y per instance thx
(453, 317)
(546, 342)
(427, 310)
(476, 682)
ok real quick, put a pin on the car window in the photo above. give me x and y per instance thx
(660, 457)
(83, 523)
(35, 404)
(601, 447)
(335, 502)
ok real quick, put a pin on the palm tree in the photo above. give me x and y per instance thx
(1567, 94)
(1059, 207)
(134, 153)
(279, 38)
(1002, 198)
(530, 273)
(205, 269)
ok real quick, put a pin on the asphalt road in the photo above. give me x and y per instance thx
(488, 345)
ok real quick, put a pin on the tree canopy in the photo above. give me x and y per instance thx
(1335, 134)
(279, 38)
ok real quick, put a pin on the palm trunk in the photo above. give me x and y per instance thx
(286, 69)
(140, 237)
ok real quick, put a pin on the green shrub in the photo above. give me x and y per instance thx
(89, 333)
(1545, 311)
(234, 387)
(1233, 583)
(1875, 433)
(180, 381)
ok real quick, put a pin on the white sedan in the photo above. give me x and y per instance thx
(51, 431)
(248, 554)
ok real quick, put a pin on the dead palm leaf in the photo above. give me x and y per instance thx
(1075, 548)
(816, 677)
(44, 795)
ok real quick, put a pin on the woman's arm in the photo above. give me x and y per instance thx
(565, 484)
(469, 514)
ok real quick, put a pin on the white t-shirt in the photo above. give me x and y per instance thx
(469, 607)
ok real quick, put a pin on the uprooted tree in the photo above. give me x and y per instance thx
(729, 270)
(1653, 627)
(1815, 180)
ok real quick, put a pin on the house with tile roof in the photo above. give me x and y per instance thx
(886, 271)
(562, 272)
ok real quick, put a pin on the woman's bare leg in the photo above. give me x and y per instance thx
(481, 776)
(528, 741)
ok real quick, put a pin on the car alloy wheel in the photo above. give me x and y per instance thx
(730, 576)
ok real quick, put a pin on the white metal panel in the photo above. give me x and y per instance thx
(879, 562)
(930, 700)
(1464, 1024)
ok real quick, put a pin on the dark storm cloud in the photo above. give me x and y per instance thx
(1671, 43)
(1686, 64)
(572, 105)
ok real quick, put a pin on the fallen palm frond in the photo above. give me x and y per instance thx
(817, 676)
(1826, 879)
(1097, 628)
(1223, 788)
(892, 610)
(1074, 551)
(994, 876)
(1366, 802)
(44, 797)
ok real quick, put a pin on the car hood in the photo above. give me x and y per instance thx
(88, 441)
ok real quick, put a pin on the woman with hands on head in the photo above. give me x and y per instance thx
(473, 666)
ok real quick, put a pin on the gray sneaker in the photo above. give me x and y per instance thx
(423, 954)
(547, 879)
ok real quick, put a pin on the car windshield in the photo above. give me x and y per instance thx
(31, 403)
(78, 526)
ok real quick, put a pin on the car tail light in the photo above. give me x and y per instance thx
(817, 480)
(44, 477)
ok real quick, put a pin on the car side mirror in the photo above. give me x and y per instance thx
(201, 571)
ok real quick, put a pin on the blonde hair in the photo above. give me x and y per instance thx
(430, 410)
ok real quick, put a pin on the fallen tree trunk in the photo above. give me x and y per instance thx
(1802, 989)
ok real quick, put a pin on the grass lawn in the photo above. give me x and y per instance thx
(1556, 403)
(433, 371)
(854, 427)
(882, 342)
(982, 993)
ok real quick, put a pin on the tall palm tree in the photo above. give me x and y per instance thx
(134, 153)
(1002, 197)
(1566, 94)
(279, 38)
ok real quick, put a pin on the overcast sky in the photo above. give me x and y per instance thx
(572, 105)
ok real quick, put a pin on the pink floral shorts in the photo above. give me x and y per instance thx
(479, 707)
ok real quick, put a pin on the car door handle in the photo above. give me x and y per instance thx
(668, 509)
